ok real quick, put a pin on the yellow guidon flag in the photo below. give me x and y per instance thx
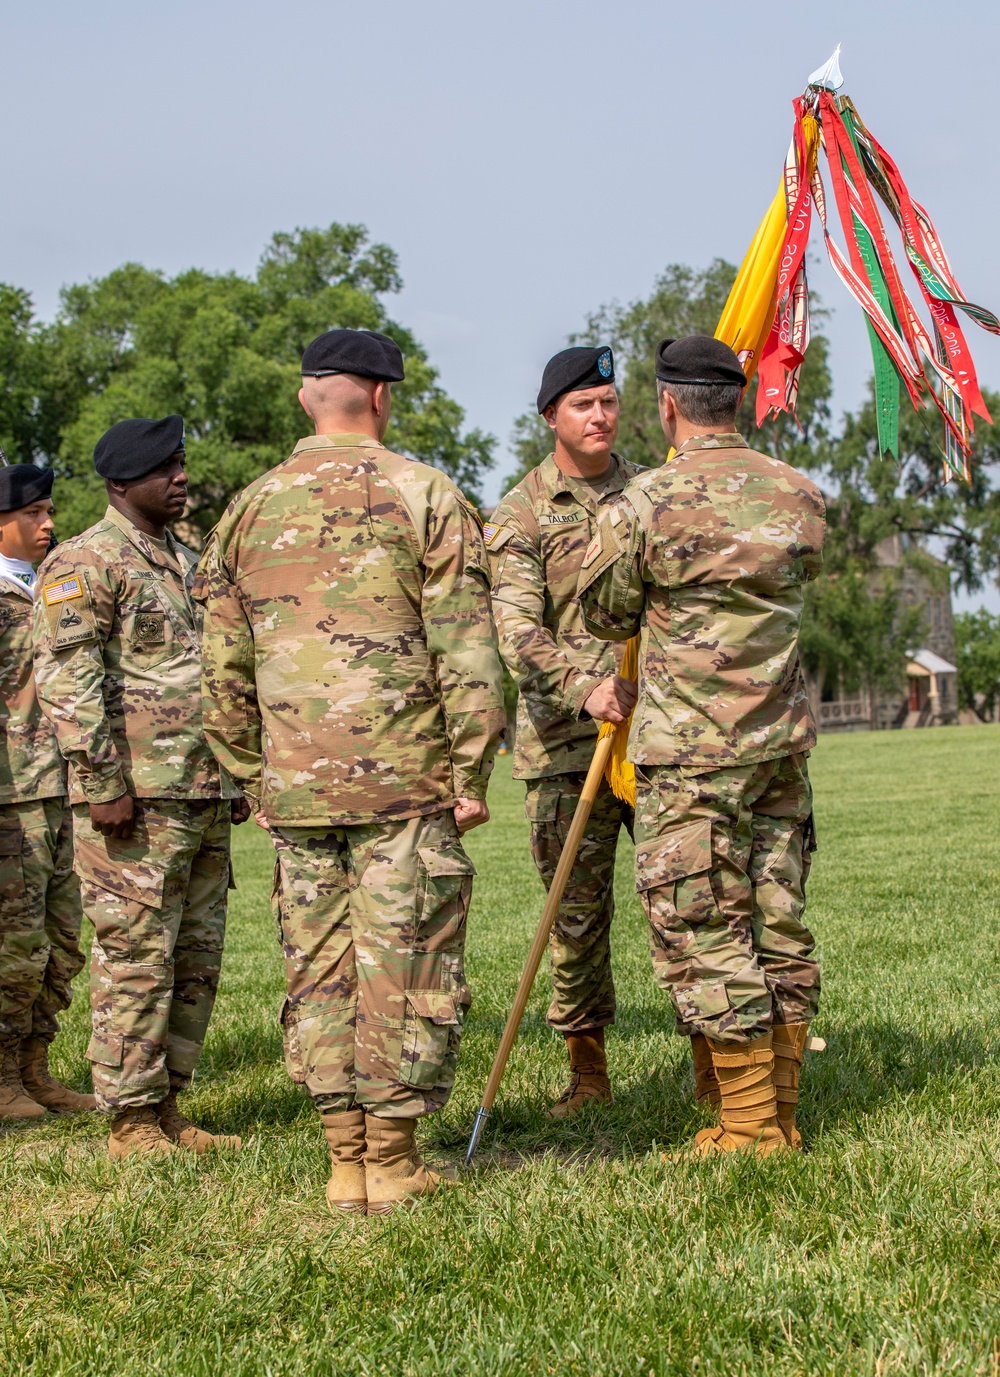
(619, 772)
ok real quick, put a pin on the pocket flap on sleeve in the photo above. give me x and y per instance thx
(436, 1005)
(135, 880)
(445, 860)
(683, 851)
(11, 838)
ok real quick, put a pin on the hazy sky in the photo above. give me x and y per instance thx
(527, 161)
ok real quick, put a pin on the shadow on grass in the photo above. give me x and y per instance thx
(865, 1071)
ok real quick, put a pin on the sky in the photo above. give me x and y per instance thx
(528, 162)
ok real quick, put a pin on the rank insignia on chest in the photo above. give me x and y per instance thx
(61, 592)
(149, 628)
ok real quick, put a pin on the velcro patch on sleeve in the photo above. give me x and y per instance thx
(494, 536)
(61, 592)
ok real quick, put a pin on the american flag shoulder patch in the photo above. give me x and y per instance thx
(62, 592)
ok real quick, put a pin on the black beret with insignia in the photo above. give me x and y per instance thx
(698, 359)
(131, 449)
(365, 353)
(22, 484)
(571, 370)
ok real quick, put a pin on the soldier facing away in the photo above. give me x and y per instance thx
(352, 686)
(567, 685)
(118, 665)
(708, 557)
(40, 912)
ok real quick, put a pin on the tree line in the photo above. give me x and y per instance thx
(223, 350)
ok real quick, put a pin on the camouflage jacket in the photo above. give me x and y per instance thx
(537, 539)
(118, 665)
(708, 556)
(30, 764)
(351, 672)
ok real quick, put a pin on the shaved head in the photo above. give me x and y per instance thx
(344, 402)
(341, 392)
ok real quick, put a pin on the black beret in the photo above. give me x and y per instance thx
(571, 370)
(22, 484)
(364, 352)
(698, 359)
(131, 449)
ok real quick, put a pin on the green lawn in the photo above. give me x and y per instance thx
(579, 1249)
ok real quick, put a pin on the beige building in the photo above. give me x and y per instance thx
(930, 696)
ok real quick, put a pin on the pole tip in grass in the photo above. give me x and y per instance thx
(482, 1115)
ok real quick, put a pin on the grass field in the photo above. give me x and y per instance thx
(578, 1249)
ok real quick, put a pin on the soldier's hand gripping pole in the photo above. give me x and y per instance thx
(591, 785)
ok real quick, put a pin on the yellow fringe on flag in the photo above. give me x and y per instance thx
(619, 772)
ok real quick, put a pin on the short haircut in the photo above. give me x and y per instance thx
(701, 405)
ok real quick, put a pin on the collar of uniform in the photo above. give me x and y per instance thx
(143, 544)
(12, 585)
(348, 440)
(731, 440)
(555, 481)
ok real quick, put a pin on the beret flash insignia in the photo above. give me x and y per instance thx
(604, 364)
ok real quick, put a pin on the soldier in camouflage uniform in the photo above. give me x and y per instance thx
(118, 667)
(707, 557)
(352, 687)
(40, 911)
(567, 685)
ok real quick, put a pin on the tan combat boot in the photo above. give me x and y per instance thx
(706, 1082)
(788, 1041)
(588, 1074)
(180, 1130)
(395, 1174)
(749, 1113)
(41, 1085)
(14, 1102)
(137, 1132)
(345, 1134)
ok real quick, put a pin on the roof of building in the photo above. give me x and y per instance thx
(932, 663)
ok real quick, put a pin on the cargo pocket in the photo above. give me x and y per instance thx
(782, 855)
(701, 1003)
(11, 862)
(445, 891)
(137, 882)
(289, 1025)
(124, 904)
(673, 875)
(431, 1031)
(106, 1050)
(541, 806)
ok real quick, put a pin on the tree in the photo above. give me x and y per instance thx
(977, 658)
(223, 351)
(856, 630)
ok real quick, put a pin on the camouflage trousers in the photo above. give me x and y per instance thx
(580, 945)
(372, 923)
(158, 906)
(40, 917)
(721, 864)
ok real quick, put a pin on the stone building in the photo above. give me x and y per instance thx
(929, 698)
